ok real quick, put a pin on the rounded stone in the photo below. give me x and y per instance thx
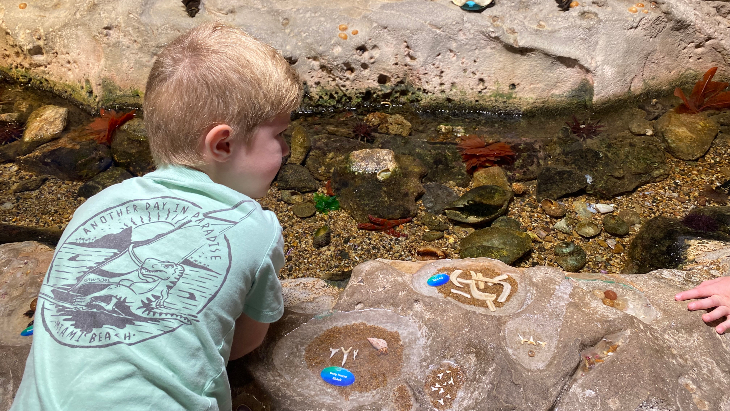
(570, 256)
(615, 225)
(565, 226)
(304, 210)
(587, 229)
(430, 236)
(610, 294)
(630, 216)
(507, 222)
(322, 237)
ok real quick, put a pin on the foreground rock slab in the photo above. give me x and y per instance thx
(554, 344)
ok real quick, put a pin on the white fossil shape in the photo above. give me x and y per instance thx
(439, 375)
(448, 372)
(532, 341)
(486, 297)
(448, 395)
(506, 290)
(460, 293)
(441, 401)
(454, 277)
(543, 343)
(434, 388)
(451, 381)
(441, 391)
(346, 351)
(333, 351)
(437, 385)
(379, 345)
(354, 355)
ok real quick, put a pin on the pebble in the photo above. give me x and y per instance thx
(630, 216)
(570, 256)
(338, 376)
(430, 236)
(587, 229)
(7, 206)
(615, 225)
(438, 279)
(565, 226)
(304, 210)
(322, 237)
(581, 208)
(610, 294)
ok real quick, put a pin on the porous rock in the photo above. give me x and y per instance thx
(651, 352)
(45, 124)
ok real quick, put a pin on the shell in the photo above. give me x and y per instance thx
(379, 345)
(429, 253)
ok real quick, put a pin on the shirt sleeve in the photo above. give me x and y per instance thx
(264, 301)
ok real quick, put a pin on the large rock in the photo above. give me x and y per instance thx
(130, 148)
(102, 53)
(480, 205)
(687, 136)
(328, 152)
(442, 161)
(22, 269)
(68, 159)
(552, 345)
(500, 243)
(380, 183)
(296, 177)
(663, 242)
(45, 124)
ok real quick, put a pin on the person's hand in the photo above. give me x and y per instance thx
(713, 293)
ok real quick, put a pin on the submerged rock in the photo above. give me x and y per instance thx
(103, 180)
(300, 145)
(378, 183)
(296, 177)
(45, 124)
(68, 159)
(500, 243)
(480, 205)
(437, 197)
(570, 256)
(130, 148)
(687, 136)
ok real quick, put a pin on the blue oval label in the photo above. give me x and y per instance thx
(438, 279)
(27, 332)
(338, 376)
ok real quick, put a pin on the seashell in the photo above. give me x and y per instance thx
(603, 208)
(438, 279)
(379, 345)
(552, 208)
(610, 294)
(342, 27)
(429, 253)
(33, 304)
(383, 174)
(22, 5)
(338, 376)
(633, 10)
(531, 353)
(354, 32)
(343, 36)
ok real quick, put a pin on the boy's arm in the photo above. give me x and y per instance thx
(713, 293)
(247, 335)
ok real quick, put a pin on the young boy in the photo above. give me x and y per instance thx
(158, 281)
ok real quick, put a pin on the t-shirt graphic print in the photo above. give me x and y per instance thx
(137, 270)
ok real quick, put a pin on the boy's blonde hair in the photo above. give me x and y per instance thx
(214, 74)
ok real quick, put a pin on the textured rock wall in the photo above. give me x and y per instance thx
(518, 54)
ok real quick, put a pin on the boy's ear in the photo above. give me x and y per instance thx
(217, 143)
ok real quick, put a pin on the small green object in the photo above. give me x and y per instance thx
(324, 203)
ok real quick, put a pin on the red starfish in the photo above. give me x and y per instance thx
(383, 224)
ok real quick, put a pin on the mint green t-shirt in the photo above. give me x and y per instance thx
(137, 309)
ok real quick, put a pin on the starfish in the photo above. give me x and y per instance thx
(383, 224)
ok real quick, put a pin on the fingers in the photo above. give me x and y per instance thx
(719, 312)
(722, 327)
(698, 292)
(705, 303)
